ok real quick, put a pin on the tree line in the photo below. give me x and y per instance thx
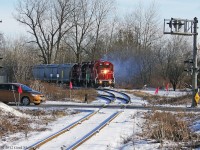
(68, 31)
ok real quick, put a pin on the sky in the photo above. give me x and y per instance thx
(184, 9)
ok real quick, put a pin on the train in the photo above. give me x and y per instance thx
(89, 74)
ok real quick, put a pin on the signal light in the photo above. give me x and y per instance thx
(176, 23)
(1, 59)
(170, 24)
(189, 61)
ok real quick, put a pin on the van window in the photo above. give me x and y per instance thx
(26, 88)
(14, 87)
(4, 87)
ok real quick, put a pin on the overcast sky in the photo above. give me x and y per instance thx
(185, 9)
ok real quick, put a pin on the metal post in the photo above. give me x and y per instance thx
(189, 31)
(195, 69)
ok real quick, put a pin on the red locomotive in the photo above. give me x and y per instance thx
(94, 74)
(98, 73)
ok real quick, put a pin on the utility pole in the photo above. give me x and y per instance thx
(189, 29)
(1, 54)
(195, 68)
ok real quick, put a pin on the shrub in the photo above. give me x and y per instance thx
(166, 125)
(62, 92)
(162, 100)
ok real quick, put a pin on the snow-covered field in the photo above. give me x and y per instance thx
(111, 137)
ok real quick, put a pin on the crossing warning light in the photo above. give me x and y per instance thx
(197, 97)
(0, 63)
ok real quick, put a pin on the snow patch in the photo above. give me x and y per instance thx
(7, 109)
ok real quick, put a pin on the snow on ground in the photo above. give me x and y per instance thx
(113, 136)
(137, 100)
(53, 127)
(162, 92)
(169, 93)
(110, 138)
(101, 140)
(7, 109)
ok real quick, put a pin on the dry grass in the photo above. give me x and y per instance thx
(171, 127)
(39, 120)
(144, 95)
(11, 125)
(62, 92)
(174, 127)
(162, 100)
(167, 126)
(79, 94)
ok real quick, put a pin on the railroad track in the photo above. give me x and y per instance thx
(110, 96)
(94, 127)
(54, 135)
(122, 96)
(94, 131)
(119, 106)
(75, 127)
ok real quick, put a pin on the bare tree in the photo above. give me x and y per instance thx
(103, 8)
(2, 52)
(171, 56)
(47, 23)
(83, 15)
(17, 60)
(89, 19)
(138, 35)
(146, 32)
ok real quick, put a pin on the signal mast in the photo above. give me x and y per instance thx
(176, 26)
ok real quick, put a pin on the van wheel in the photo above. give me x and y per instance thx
(37, 103)
(25, 101)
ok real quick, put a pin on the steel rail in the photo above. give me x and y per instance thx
(94, 131)
(107, 97)
(125, 97)
(106, 91)
(49, 138)
(117, 106)
(111, 97)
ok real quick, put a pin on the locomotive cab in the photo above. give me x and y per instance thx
(105, 74)
(76, 74)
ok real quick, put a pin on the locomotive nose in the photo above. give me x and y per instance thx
(105, 71)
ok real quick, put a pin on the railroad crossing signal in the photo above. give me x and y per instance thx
(1, 57)
(180, 26)
(0, 65)
(174, 26)
(177, 24)
(197, 97)
(188, 65)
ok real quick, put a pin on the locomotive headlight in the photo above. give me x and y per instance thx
(105, 71)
